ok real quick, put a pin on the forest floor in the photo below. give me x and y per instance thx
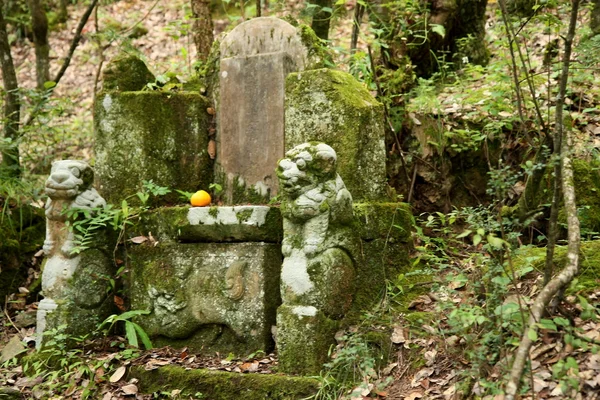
(439, 348)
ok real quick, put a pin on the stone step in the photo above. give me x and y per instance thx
(219, 385)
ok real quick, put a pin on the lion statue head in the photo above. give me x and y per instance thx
(305, 167)
(70, 182)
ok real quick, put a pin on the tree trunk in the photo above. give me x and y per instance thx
(39, 25)
(203, 28)
(321, 19)
(521, 8)
(63, 13)
(595, 17)
(12, 104)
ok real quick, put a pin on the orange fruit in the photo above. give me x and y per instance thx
(200, 199)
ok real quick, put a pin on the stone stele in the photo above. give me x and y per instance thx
(74, 283)
(320, 249)
(255, 59)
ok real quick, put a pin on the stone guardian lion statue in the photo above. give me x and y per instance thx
(318, 271)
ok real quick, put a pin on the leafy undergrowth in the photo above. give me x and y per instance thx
(99, 370)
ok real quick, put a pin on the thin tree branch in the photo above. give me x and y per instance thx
(67, 61)
(84, 19)
(572, 264)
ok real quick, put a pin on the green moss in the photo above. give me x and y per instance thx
(158, 136)
(318, 54)
(126, 73)
(419, 318)
(22, 231)
(330, 106)
(589, 265)
(214, 211)
(216, 385)
(244, 216)
(303, 341)
(392, 221)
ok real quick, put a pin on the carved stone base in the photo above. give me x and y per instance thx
(207, 296)
(304, 337)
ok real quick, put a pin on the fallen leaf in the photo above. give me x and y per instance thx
(419, 376)
(119, 302)
(388, 370)
(129, 389)
(118, 374)
(398, 335)
(430, 357)
(212, 149)
(413, 396)
(138, 239)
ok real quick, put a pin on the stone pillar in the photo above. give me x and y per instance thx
(74, 281)
(330, 106)
(320, 249)
(256, 57)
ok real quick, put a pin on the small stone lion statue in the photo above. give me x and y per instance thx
(69, 186)
(320, 249)
(318, 268)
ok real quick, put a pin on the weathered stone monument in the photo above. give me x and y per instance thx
(217, 279)
(148, 135)
(320, 249)
(256, 57)
(74, 283)
(211, 292)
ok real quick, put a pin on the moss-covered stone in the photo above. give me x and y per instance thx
(126, 73)
(304, 339)
(385, 232)
(158, 136)
(586, 175)
(173, 224)
(216, 385)
(330, 106)
(22, 230)
(589, 264)
(207, 296)
(85, 300)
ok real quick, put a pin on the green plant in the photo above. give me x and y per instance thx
(132, 330)
(87, 224)
(352, 367)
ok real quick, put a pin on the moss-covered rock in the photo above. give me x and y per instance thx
(216, 385)
(212, 224)
(126, 73)
(84, 300)
(586, 176)
(589, 264)
(22, 230)
(385, 232)
(332, 107)
(304, 338)
(207, 296)
(158, 136)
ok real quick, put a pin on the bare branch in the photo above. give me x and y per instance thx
(572, 265)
